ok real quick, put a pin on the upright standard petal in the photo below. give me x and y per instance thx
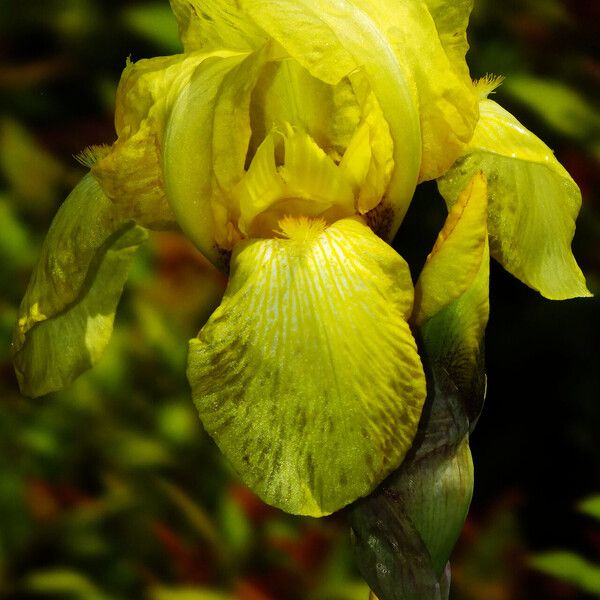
(66, 317)
(446, 99)
(307, 376)
(205, 148)
(335, 39)
(451, 19)
(533, 203)
(207, 25)
(130, 172)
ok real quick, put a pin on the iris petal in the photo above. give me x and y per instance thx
(457, 254)
(131, 172)
(453, 299)
(533, 203)
(307, 375)
(446, 99)
(335, 39)
(306, 183)
(205, 147)
(451, 19)
(208, 25)
(66, 317)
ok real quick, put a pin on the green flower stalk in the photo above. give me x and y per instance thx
(286, 143)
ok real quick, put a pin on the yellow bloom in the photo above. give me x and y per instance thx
(533, 202)
(286, 142)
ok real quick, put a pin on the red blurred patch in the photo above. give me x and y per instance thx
(252, 506)
(191, 564)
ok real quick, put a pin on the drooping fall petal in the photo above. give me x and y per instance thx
(533, 203)
(66, 317)
(307, 375)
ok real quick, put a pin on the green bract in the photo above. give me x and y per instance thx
(286, 142)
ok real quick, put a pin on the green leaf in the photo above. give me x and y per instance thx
(66, 317)
(590, 506)
(63, 583)
(307, 375)
(237, 529)
(16, 247)
(186, 593)
(561, 107)
(342, 591)
(33, 174)
(569, 567)
(196, 516)
(533, 203)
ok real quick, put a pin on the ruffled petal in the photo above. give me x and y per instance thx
(373, 146)
(208, 25)
(457, 254)
(307, 376)
(66, 317)
(131, 172)
(306, 183)
(345, 120)
(533, 203)
(287, 93)
(335, 39)
(446, 99)
(451, 19)
(205, 148)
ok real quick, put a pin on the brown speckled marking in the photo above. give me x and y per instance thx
(380, 218)
(224, 258)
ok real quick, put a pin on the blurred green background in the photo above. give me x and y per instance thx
(111, 490)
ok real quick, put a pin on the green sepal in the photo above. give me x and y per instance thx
(390, 552)
(453, 344)
(404, 533)
(410, 524)
(66, 317)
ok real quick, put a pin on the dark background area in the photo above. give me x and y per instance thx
(111, 489)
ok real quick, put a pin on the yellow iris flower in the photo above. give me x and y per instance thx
(286, 142)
